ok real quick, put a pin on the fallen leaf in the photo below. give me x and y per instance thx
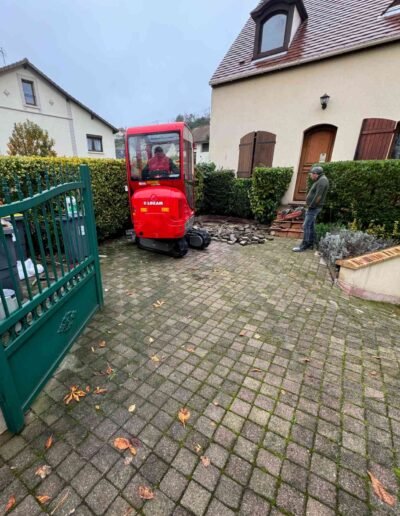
(242, 333)
(257, 336)
(74, 394)
(136, 442)
(380, 491)
(128, 460)
(87, 388)
(43, 498)
(121, 443)
(10, 504)
(377, 358)
(198, 448)
(373, 373)
(154, 358)
(256, 370)
(133, 450)
(93, 350)
(158, 303)
(102, 344)
(306, 360)
(43, 471)
(151, 339)
(216, 403)
(97, 407)
(49, 443)
(132, 408)
(184, 415)
(99, 390)
(146, 493)
(190, 349)
(128, 511)
(205, 461)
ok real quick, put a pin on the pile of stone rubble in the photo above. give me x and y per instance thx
(243, 234)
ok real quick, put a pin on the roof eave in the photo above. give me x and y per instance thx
(300, 62)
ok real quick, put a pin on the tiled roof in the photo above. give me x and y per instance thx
(201, 134)
(333, 27)
(27, 64)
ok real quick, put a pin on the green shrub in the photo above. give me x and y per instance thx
(366, 193)
(268, 187)
(323, 228)
(217, 189)
(240, 200)
(108, 182)
(201, 169)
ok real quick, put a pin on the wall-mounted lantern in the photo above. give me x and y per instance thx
(324, 101)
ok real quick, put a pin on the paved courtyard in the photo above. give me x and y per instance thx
(292, 389)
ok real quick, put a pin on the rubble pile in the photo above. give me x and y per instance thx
(243, 234)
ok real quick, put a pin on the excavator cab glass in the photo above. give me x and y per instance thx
(154, 156)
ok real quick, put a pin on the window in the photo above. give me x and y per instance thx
(29, 92)
(205, 147)
(94, 143)
(395, 154)
(273, 33)
(276, 22)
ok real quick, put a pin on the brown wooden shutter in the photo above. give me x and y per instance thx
(376, 138)
(246, 151)
(264, 149)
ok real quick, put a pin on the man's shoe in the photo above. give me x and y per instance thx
(299, 249)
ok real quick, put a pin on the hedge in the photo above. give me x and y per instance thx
(108, 182)
(240, 199)
(217, 192)
(366, 193)
(267, 189)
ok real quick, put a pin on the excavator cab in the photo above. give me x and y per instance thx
(160, 178)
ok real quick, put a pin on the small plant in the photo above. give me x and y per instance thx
(346, 243)
(29, 139)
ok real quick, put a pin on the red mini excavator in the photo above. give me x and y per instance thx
(159, 161)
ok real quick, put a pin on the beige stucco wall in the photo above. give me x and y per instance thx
(361, 85)
(66, 122)
(380, 281)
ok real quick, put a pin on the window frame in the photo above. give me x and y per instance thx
(288, 10)
(28, 78)
(28, 81)
(93, 137)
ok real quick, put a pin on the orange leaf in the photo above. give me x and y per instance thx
(109, 370)
(256, 370)
(102, 344)
(43, 471)
(154, 358)
(43, 499)
(184, 415)
(98, 390)
(198, 448)
(74, 394)
(133, 450)
(11, 502)
(242, 333)
(380, 491)
(121, 443)
(190, 349)
(146, 493)
(205, 461)
(49, 443)
(87, 388)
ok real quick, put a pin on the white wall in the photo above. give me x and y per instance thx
(286, 103)
(202, 156)
(66, 122)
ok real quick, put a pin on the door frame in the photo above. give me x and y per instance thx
(309, 132)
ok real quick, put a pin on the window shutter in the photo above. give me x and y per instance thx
(264, 149)
(246, 151)
(376, 138)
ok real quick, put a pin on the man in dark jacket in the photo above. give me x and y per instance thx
(315, 201)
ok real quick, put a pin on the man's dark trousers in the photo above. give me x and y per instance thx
(309, 227)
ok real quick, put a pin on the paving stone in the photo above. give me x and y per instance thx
(67, 502)
(173, 484)
(101, 497)
(185, 461)
(119, 507)
(263, 483)
(229, 492)
(315, 508)
(207, 476)
(153, 469)
(270, 462)
(70, 466)
(196, 498)
(253, 505)
(28, 506)
(216, 508)
(238, 469)
(290, 500)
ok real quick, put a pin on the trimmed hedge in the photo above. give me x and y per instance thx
(366, 193)
(240, 200)
(217, 191)
(108, 182)
(268, 187)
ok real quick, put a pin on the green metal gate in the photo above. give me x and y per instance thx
(48, 226)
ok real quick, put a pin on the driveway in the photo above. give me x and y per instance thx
(290, 390)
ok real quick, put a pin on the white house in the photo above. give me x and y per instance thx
(201, 140)
(309, 81)
(27, 93)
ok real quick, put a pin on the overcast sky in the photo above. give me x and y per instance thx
(130, 61)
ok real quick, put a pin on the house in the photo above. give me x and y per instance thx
(309, 81)
(201, 140)
(27, 93)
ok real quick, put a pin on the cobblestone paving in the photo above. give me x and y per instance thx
(293, 389)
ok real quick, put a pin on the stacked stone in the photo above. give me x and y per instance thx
(243, 234)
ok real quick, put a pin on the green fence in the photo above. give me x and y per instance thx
(50, 282)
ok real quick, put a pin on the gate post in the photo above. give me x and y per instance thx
(91, 228)
(9, 399)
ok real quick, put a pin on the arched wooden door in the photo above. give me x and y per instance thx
(317, 148)
(256, 149)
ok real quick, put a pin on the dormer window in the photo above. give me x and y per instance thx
(274, 33)
(277, 22)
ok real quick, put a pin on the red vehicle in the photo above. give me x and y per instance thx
(159, 162)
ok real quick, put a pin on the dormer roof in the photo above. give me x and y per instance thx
(332, 28)
(267, 5)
